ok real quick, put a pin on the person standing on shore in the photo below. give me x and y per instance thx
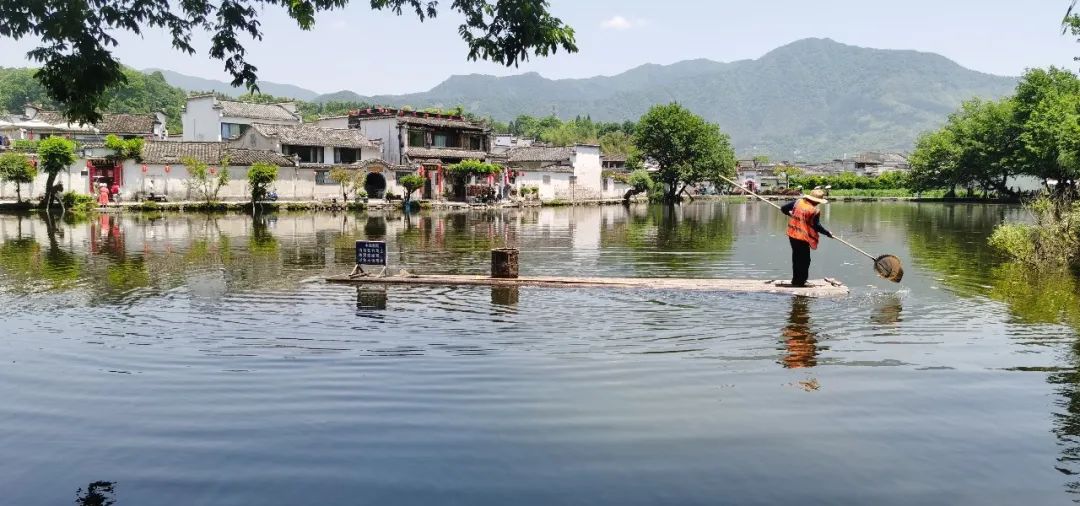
(803, 231)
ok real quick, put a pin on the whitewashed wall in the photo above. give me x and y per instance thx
(387, 130)
(201, 122)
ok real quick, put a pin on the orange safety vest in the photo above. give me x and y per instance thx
(801, 225)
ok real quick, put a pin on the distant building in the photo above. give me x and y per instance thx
(206, 118)
(316, 150)
(417, 139)
(36, 123)
(567, 173)
(504, 142)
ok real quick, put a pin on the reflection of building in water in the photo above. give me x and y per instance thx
(800, 341)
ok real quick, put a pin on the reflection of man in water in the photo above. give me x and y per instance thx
(800, 341)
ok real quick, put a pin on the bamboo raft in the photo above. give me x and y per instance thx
(815, 288)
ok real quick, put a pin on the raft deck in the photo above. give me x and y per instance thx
(816, 287)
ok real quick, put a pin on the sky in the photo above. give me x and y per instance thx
(375, 52)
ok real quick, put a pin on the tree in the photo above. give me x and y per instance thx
(639, 181)
(16, 168)
(411, 183)
(616, 142)
(78, 67)
(350, 181)
(687, 149)
(126, 149)
(202, 183)
(261, 176)
(56, 154)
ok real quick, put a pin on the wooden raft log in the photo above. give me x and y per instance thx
(816, 287)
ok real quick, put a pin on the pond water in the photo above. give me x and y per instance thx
(202, 360)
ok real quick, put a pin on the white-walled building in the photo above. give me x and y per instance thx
(569, 173)
(318, 150)
(206, 118)
(36, 123)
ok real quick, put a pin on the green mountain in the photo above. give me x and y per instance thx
(812, 99)
(816, 97)
(192, 83)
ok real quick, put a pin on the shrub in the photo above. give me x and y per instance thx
(78, 202)
(201, 183)
(24, 145)
(260, 176)
(410, 183)
(1053, 240)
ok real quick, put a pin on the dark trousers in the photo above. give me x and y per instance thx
(800, 261)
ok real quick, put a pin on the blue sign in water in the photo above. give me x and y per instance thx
(370, 253)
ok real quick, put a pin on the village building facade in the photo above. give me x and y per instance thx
(424, 143)
(207, 118)
(570, 173)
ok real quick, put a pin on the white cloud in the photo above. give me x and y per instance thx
(620, 23)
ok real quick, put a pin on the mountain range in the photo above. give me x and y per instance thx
(811, 99)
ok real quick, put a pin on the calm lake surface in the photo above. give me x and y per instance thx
(198, 360)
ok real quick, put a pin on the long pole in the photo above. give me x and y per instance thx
(771, 203)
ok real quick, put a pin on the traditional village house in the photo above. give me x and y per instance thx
(161, 170)
(614, 176)
(316, 151)
(96, 166)
(424, 142)
(570, 173)
(207, 118)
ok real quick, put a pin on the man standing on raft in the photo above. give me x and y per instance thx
(802, 231)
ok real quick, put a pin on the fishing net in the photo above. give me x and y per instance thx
(889, 267)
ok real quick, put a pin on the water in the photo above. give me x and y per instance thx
(202, 360)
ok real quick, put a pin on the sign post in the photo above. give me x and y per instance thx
(369, 253)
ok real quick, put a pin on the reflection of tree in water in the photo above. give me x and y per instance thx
(98, 493)
(800, 340)
(698, 229)
(950, 239)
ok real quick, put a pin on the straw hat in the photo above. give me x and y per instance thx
(816, 195)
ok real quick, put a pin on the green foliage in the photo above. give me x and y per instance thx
(613, 138)
(56, 154)
(641, 181)
(16, 168)
(349, 180)
(1034, 133)
(1053, 240)
(411, 183)
(850, 181)
(77, 38)
(687, 149)
(201, 183)
(24, 145)
(78, 202)
(260, 177)
(472, 167)
(126, 149)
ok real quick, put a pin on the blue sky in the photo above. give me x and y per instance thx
(378, 52)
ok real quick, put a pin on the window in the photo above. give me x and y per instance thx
(417, 138)
(231, 130)
(606, 181)
(476, 142)
(547, 179)
(440, 140)
(307, 154)
(322, 177)
(346, 155)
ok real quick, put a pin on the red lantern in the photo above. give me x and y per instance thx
(144, 168)
(420, 171)
(168, 169)
(89, 165)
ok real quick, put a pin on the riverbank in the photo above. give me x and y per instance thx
(320, 205)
